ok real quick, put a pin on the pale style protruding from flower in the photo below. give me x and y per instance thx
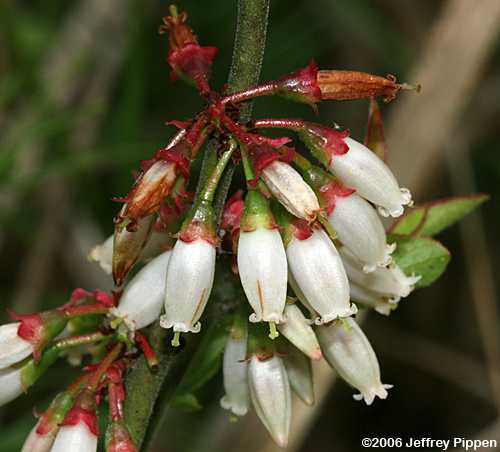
(271, 396)
(359, 228)
(390, 282)
(13, 348)
(11, 385)
(297, 329)
(235, 372)
(317, 268)
(288, 187)
(349, 352)
(36, 442)
(299, 370)
(263, 273)
(76, 437)
(382, 305)
(361, 169)
(190, 277)
(103, 255)
(142, 300)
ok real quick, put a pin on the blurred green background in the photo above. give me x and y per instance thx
(85, 94)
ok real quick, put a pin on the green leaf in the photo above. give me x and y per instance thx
(421, 256)
(187, 402)
(207, 360)
(431, 218)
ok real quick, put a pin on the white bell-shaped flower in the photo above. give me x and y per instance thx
(383, 305)
(359, 228)
(13, 348)
(390, 282)
(263, 273)
(76, 437)
(317, 268)
(142, 300)
(288, 187)
(362, 170)
(37, 442)
(235, 372)
(271, 396)
(190, 277)
(11, 384)
(349, 352)
(299, 370)
(297, 329)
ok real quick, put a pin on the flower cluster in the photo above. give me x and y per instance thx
(307, 242)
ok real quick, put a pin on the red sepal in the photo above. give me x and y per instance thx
(78, 415)
(301, 85)
(264, 155)
(330, 192)
(180, 124)
(177, 156)
(198, 230)
(233, 210)
(301, 229)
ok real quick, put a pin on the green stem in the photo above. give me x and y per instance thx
(143, 388)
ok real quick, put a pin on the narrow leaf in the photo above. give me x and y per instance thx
(431, 218)
(421, 256)
(375, 137)
(186, 402)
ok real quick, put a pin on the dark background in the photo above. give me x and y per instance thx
(85, 94)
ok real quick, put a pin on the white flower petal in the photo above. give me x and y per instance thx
(103, 254)
(349, 352)
(297, 329)
(143, 296)
(271, 397)
(190, 277)
(317, 268)
(39, 443)
(11, 385)
(291, 190)
(372, 299)
(299, 371)
(390, 282)
(235, 370)
(13, 348)
(362, 170)
(263, 273)
(72, 438)
(359, 228)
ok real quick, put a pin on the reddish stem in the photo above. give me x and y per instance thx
(256, 91)
(293, 124)
(145, 346)
(83, 339)
(104, 366)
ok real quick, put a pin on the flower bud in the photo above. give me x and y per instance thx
(359, 228)
(362, 170)
(142, 299)
(317, 268)
(190, 276)
(383, 305)
(271, 397)
(347, 85)
(291, 190)
(389, 282)
(299, 371)
(297, 329)
(234, 368)
(118, 438)
(349, 352)
(150, 189)
(11, 385)
(128, 246)
(13, 348)
(38, 442)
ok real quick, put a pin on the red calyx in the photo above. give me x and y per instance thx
(198, 230)
(264, 155)
(331, 140)
(78, 415)
(331, 191)
(233, 210)
(302, 230)
(193, 63)
(177, 155)
(301, 85)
